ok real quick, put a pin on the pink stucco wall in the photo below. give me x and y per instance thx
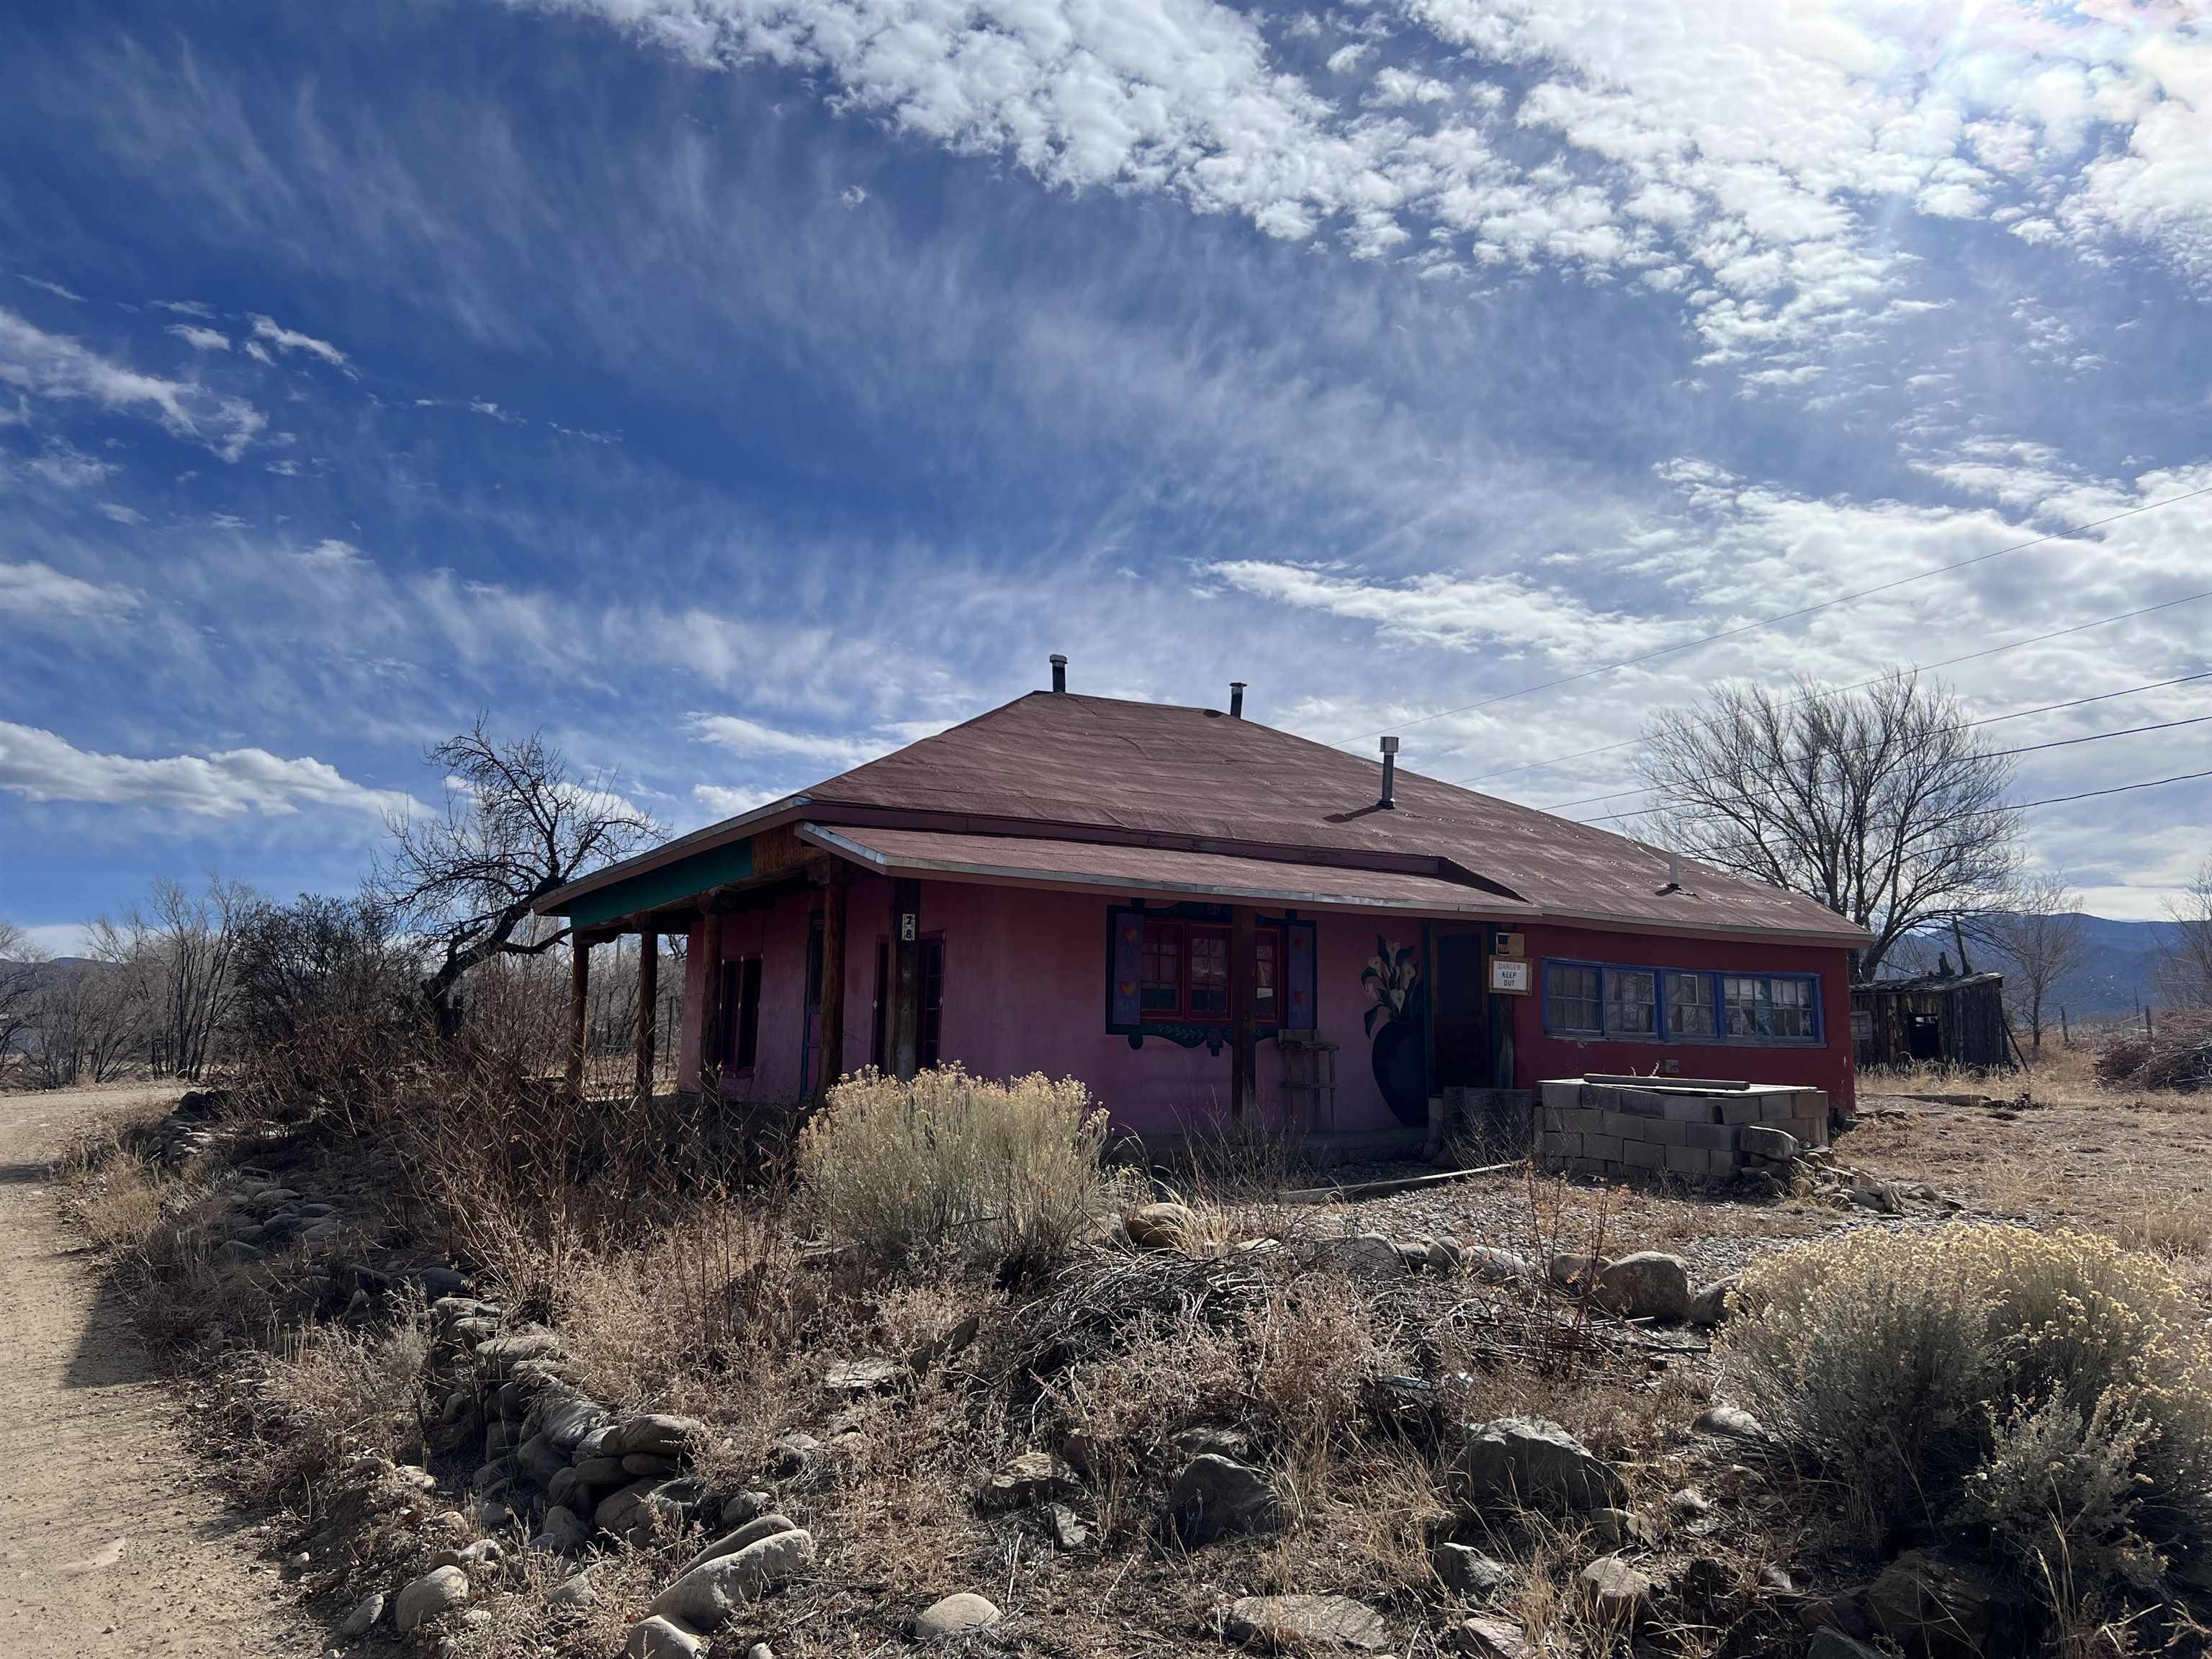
(1025, 991)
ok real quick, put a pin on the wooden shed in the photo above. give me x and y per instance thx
(1954, 1020)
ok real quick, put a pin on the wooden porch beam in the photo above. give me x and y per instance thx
(905, 1031)
(710, 1003)
(580, 997)
(649, 1010)
(833, 979)
(1244, 1041)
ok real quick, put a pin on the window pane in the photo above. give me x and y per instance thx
(1749, 1013)
(1209, 972)
(1162, 970)
(1689, 1005)
(1571, 998)
(1793, 1008)
(929, 1026)
(1631, 1002)
(1263, 986)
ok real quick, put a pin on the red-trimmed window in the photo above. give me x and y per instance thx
(1186, 977)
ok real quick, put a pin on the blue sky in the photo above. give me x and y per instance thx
(737, 389)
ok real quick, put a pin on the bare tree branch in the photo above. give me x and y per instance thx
(2041, 936)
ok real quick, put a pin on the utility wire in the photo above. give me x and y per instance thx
(1790, 615)
(1965, 726)
(1917, 668)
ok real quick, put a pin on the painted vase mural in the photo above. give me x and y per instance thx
(1392, 980)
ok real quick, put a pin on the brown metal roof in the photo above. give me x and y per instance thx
(1147, 872)
(1056, 766)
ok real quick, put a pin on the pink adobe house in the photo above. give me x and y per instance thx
(1203, 917)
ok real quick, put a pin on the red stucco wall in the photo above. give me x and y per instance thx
(1025, 991)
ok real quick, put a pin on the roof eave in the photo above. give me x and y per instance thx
(767, 816)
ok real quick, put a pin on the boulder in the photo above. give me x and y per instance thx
(655, 1435)
(1759, 1140)
(562, 1531)
(1493, 1265)
(363, 1619)
(1928, 1602)
(1709, 1306)
(1366, 1255)
(1304, 1623)
(656, 1638)
(703, 1598)
(1465, 1569)
(638, 1464)
(565, 1422)
(752, 1532)
(1575, 1270)
(1528, 1461)
(1035, 1477)
(1615, 1589)
(964, 1611)
(1163, 1227)
(1730, 1423)
(1486, 1638)
(1647, 1285)
(540, 1458)
(440, 1590)
(1212, 1496)
(636, 1511)
(502, 1353)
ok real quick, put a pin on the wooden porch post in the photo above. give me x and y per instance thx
(648, 1008)
(1243, 1046)
(710, 1002)
(906, 978)
(833, 981)
(580, 991)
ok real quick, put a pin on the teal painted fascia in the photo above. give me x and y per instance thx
(669, 884)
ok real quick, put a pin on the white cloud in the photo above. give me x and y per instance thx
(38, 590)
(729, 803)
(55, 366)
(186, 307)
(268, 330)
(257, 351)
(61, 939)
(199, 338)
(744, 737)
(120, 513)
(43, 767)
(853, 195)
(63, 464)
(55, 288)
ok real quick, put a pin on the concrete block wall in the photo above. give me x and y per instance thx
(1687, 1130)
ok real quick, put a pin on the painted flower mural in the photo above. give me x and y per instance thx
(1392, 980)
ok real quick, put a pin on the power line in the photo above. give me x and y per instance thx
(1965, 725)
(1917, 668)
(1787, 616)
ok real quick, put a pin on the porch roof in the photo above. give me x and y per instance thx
(1146, 872)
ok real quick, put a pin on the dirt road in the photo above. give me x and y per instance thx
(112, 1542)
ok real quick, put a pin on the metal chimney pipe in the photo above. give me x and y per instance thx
(1059, 672)
(1235, 699)
(1389, 802)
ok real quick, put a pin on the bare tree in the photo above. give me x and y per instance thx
(22, 963)
(2184, 957)
(1880, 802)
(176, 953)
(517, 824)
(2042, 937)
(86, 1024)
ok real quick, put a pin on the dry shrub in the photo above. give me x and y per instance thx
(2177, 1055)
(984, 1173)
(2052, 1388)
(328, 1395)
(119, 1204)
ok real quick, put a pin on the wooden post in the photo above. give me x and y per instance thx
(1243, 977)
(711, 1043)
(648, 1008)
(833, 981)
(2065, 1037)
(579, 996)
(906, 978)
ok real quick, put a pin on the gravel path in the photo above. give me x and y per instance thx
(112, 1541)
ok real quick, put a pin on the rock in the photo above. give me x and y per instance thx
(939, 1349)
(1035, 1477)
(1575, 1270)
(1530, 1461)
(655, 1435)
(482, 1553)
(1925, 1601)
(752, 1532)
(760, 1650)
(1885, 1196)
(1164, 1227)
(656, 1637)
(1778, 1579)
(440, 1590)
(565, 1423)
(573, 1591)
(1414, 1254)
(1214, 1495)
(1758, 1140)
(1619, 1529)
(1616, 1590)
(1444, 1255)
(863, 1376)
(541, 1460)
(964, 1611)
(1709, 1306)
(602, 1471)
(638, 1464)
(1487, 1639)
(1646, 1286)
(1467, 1571)
(1367, 1253)
(1069, 1532)
(1493, 1265)
(1304, 1623)
(636, 1511)
(793, 1455)
(1689, 1504)
(363, 1619)
(1730, 1423)
(1211, 1438)
(704, 1597)
(562, 1532)
(503, 1353)
(1829, 1643)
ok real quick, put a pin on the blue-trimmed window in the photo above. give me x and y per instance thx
(1629, 1003)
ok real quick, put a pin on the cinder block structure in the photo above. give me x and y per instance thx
(1691, 1127)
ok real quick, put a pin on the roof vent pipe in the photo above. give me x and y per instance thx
(1388, 802)
(1059, 673)
(1237, 699)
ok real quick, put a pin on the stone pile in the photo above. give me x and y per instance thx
(1695, 1131)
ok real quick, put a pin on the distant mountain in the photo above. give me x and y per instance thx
(2118, 977)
